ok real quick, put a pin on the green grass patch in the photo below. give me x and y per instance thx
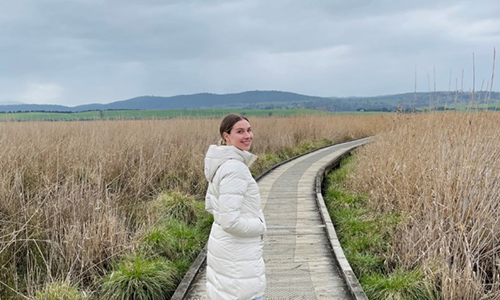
(165, 252)
(204, 219)
(399, 284)
(364, 234)
(462, 107)
(139, 278)
(174, 240)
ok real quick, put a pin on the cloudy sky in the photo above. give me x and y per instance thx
(96, 51)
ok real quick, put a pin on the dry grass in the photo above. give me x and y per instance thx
(73, 194)
(441, 173)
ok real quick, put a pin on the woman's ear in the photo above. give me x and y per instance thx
(225, 135)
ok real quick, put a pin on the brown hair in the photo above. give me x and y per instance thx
(227, 125)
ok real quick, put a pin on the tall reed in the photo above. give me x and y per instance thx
(441, 173)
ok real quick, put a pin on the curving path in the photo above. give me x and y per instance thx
(302, 255)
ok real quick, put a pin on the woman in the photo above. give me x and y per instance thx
(235, 268)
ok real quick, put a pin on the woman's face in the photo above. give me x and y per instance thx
(240, 136)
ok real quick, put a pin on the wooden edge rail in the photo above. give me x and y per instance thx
(183, 287)
(345, 268)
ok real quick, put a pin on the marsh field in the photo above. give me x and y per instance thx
(114, 209)
(84, 203)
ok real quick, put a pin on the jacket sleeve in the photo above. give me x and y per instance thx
(231, 196)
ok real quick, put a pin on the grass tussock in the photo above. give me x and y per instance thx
(175, 205)
(173, 240)
(60, 291)
(399, 285)
(139, 278)
(441, 172)
(74, 195)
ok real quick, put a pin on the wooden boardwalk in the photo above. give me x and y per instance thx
(300, 261)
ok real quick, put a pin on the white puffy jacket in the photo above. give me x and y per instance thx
(235, 267)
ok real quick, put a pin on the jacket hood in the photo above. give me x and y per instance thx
(217, 155)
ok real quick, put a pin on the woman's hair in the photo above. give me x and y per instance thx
(227, 125)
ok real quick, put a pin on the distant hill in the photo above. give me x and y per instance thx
(195, 101)
(35, 107)
(271, 100)
(206, 100)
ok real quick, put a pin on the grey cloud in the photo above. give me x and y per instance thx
(102, 51)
